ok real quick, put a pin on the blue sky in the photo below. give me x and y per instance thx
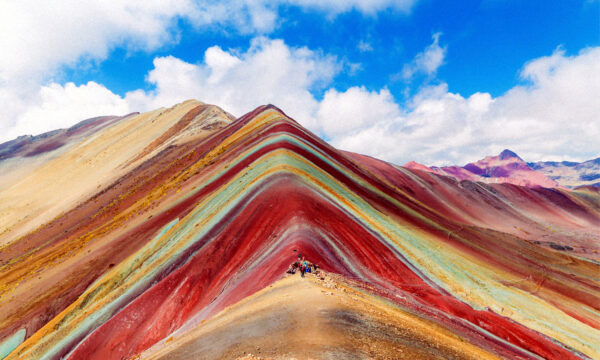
(489, 42)
(438, 81)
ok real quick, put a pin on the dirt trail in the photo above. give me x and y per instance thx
(314, 318)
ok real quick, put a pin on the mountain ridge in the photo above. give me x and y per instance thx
(508, 167)
(204, 220)
(571, 174)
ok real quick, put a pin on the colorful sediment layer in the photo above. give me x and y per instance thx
(171, 229)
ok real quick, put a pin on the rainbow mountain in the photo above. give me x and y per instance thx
(168, 234)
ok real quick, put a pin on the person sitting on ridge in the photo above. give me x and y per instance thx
(292, 268)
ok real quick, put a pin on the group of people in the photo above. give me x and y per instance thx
(302, 265)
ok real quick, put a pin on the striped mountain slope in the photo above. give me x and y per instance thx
(165, 223)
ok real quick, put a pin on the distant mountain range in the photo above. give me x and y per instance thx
(570, 174)
(508, 167)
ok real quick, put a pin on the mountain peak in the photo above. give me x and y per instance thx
(417, 166)
(507, 154)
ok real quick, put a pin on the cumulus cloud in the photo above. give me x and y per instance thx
(40, 38)
(428, 61)
(344, 114)
(61, 106)
(555, 114)
(268, 72)
(364, 46)
(365, 6)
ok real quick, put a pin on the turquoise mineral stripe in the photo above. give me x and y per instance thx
(495, 293)
(277, 137)
(218, 204)
(95, 319)
(273, 246)
(446, 265)
(11, 343)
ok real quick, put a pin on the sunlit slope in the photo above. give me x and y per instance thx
(208, 221)
(68, 202)
(35, 189)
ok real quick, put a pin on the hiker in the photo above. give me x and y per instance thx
(303, 265)
(292, 268)
(316, 269)
(307, 266)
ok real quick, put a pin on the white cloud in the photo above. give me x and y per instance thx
(62, 106)
(268, 72)
(364, 46)
(40, 38)
(555, 115)
(353, 68)
(43, 35)
(365, 6)
(352, 111)
(428, 61)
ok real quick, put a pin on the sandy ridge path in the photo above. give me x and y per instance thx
(314, 318)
